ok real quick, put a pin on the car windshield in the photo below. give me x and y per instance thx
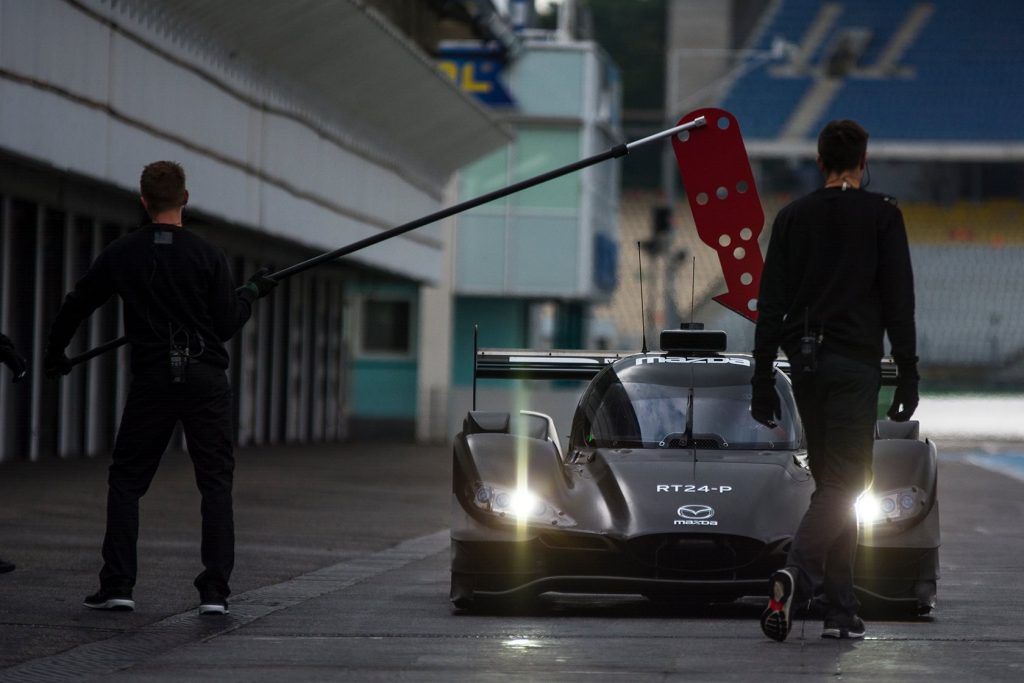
(627, 414)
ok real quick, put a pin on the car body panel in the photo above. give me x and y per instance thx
(666, 489)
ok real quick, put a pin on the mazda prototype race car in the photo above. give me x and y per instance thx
(668, 487)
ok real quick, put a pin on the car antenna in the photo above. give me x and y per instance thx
(476, 350)
(643, 316)
(693, 286)
(689, 398)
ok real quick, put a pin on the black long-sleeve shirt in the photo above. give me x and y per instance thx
(840, 258)
(173, 284)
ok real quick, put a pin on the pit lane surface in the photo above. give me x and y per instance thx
(378, 609)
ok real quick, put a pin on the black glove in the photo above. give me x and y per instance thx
(10, 357)
(259, 284)
(56, 363)
(765, 405)
(905, 398)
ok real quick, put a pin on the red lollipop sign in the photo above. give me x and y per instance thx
(715, 170)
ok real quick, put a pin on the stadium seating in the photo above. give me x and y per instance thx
(969, 305)
(968, 281)
(958, 76)
(995, 223)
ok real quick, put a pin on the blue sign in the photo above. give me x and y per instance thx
(606, 261)
(477, 70)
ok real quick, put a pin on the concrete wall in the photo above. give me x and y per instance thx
(92, 88)
(542, 242)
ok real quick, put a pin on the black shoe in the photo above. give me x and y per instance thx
(835, 628)
(212, 602)
(775, 620)
(6, 566)
(103, 599)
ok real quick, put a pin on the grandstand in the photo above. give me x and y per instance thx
(937, 84)
(969, 307)
(942, 70)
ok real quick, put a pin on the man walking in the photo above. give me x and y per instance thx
(837, 278)
(180, 305)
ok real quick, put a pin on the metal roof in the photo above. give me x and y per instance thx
(351, 60)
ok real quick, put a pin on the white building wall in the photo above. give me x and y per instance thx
(540, 243)
(305, 139)
(90, 88)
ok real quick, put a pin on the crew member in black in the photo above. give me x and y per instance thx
(180, 305)
(10, 357)
(837, 277)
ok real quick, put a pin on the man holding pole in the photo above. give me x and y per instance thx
(180, 305)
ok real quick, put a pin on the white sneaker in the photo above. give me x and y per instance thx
(775, 620)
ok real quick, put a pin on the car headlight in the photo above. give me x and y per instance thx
(890, 506)
(517, 505)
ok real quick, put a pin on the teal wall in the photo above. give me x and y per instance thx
(527, 244)
(503, 323)
(385, 386)
(548, 81)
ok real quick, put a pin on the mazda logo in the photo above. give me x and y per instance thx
(696, 512)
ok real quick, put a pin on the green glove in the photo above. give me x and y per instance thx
(259, 284)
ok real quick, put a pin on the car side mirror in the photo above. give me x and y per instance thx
(541, 426)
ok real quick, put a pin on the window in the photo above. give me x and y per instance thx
(386, 326)
(652, 407)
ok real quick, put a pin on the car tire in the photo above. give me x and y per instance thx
(463, 603)
(925, 592)
(461, 593)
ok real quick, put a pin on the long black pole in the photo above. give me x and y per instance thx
(620, 150)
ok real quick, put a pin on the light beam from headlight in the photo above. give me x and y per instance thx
(524, 505)
(868, 507)
(889, 506)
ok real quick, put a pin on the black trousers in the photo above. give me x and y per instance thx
(154, 407)
(838, 406)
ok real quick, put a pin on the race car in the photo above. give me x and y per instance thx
(668, 487)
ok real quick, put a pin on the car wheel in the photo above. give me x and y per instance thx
(462, 591)
(925, 591)
(463, 603)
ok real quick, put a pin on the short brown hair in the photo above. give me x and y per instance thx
(842, 145)
(163, 186)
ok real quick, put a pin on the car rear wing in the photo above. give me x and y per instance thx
(552, 365)
(578, 365)
(582, 365)
(524, 364)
